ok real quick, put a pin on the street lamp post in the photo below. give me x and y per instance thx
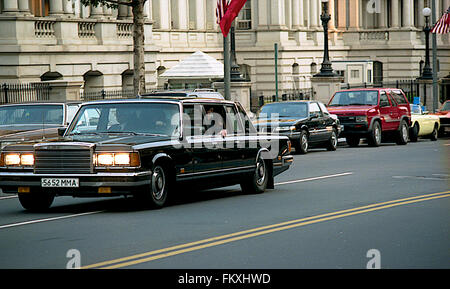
(427, 72)
(326, 70)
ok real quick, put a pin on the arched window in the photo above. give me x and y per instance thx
(93, 81)
(51, 76)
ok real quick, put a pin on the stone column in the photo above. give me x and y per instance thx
(200, 14)
(296, 14)
(277, 13)
(420, 17)
(395, 23)
(382, 16)
(10, 6)
(56, 8)
(96, 12)
(331, 11)
(164, 16)
(67, 6)
(24, 6)
(314, 14)
(123, 12)
(183, 10)
(408, 13)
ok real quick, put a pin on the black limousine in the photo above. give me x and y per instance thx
(147, 148)
(307, 124)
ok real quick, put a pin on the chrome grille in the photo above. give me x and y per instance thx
(63, 161)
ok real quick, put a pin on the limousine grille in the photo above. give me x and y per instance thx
(62, 161)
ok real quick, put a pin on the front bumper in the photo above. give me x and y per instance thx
(354, 128)
(119, 183)
(281, 165)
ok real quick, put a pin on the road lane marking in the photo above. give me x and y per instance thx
(96, 212)
(48, 219)
(220, 240)
(314, 178)
(7, 197)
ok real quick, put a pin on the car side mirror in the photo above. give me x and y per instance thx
(61, 131)
(313, 115)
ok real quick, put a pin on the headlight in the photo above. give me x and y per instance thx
(17, 159)
(285, 128)
(117, 159)
(361, 119)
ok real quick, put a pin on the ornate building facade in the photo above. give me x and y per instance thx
(61, 39)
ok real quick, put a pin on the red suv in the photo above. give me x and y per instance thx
(376, 114)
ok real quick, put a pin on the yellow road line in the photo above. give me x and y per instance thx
(219, 240)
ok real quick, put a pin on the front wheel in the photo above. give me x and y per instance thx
(434, 134)
(414, 133)
(302, 146)
(156, 194)
(258, 182)
(36, 201)
(374, 139)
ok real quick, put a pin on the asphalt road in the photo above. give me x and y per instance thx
(386, 206)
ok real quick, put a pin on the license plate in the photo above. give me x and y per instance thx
(59, 183)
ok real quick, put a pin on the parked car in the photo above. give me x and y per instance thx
(200, 93)
(306, 123)
(145, 148)
(31, 121)
(377, 114)
(423, 124)
(444, 116)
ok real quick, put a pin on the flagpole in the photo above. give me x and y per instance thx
(434, 44)
(226, 68)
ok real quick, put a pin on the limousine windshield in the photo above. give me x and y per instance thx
(136, 118)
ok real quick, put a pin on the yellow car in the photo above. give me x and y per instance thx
(423, 124)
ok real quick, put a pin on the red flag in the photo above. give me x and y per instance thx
(231, 13)
(443, 24)
(220, 10)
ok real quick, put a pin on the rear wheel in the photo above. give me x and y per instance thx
(36, 201)
(258, 182)
(333, 141)
(402, 137)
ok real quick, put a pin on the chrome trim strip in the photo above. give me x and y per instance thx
(216, 171)
(100, 174)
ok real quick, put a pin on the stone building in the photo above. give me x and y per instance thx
(44, 40)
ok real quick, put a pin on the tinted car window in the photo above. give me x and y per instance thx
(234, 125)
(314, 109)
(287, 109)
(357, 97)
(398, 97)
(384, 101)
(148, 118)
(31, 114)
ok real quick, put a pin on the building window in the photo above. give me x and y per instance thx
(244, 20)
(354, 73)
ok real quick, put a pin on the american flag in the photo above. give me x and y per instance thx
(222, 6)
(443, 25)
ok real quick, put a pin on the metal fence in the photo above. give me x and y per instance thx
(409, 86)
(258, 99)
(24, 92)
(107, 94)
